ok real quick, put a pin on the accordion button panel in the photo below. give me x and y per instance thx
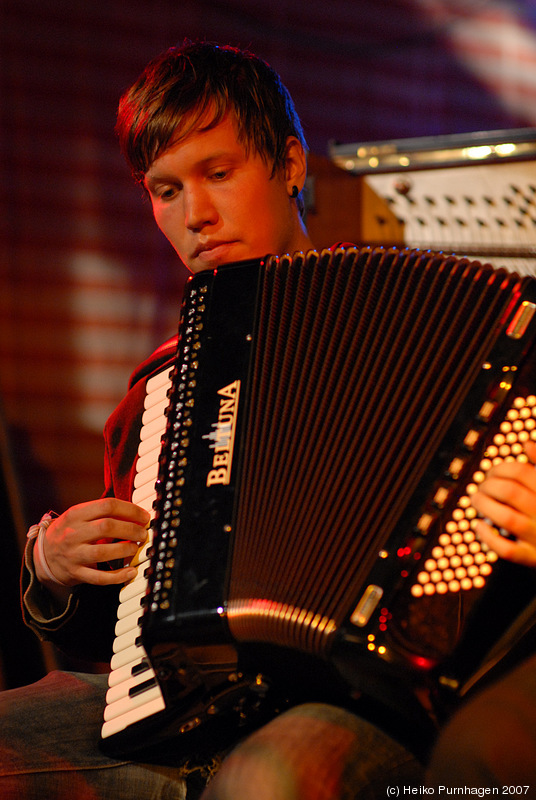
(134, 693)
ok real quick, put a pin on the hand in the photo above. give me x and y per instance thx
(507, 497)
(90, 534)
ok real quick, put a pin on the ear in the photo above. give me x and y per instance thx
(295, 164)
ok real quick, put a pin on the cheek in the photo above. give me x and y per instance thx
(157, 215)
(270, 214)
(167, 222)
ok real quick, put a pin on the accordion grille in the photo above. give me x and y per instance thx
(362, 360)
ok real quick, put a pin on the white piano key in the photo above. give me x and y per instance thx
(145, 502)
(124, 673)
(139, 561)
(141, 557)
(151, 429)
(158, 395)
(118, 724)
(131, 606)
(127, 623)
(147, 475)
(158, 380)
(143, 494)
(128, 656)
(135, 586)
(121, 690)
(149, 458)
(126, 640)
(153, 442)
(126, 704)
(155, 410)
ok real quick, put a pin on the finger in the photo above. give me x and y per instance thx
(99, 577)
(89, 549)
(517, 551)
(504, 515)
(520, 473)
(72, 574)
(511, 490)
(112, 529)
(530, 450)
(113, 551)
(107, 507)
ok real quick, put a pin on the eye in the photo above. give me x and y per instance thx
(219, 174)
(167, 193)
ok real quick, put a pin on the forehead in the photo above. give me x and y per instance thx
(204, 119)
(202, 143)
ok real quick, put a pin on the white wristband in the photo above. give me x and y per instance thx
(37, 532)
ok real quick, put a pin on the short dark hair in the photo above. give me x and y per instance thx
(177, 90)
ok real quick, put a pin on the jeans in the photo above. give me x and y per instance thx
(49, 750)
(49, 747)
(315, 752)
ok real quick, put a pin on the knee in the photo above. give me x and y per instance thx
(316, 751)
(274, 762)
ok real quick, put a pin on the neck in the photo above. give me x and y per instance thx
(302, 240)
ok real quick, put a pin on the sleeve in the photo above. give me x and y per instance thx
(39, 608)
(84, 626)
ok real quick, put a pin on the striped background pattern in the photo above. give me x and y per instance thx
(88, 286)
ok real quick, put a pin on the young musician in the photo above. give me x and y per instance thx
(213, 137)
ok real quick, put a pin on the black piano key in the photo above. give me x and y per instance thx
(142, 687)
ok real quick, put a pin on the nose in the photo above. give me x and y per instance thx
(199, 210)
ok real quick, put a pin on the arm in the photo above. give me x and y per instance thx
(79, 615)
(79, 618)
(508, 498)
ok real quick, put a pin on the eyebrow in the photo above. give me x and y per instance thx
(158, 178)
(168, 178)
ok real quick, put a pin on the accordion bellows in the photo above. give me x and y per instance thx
(330, 415)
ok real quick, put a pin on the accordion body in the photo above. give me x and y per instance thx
(329, 417)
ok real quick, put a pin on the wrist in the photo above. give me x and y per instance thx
(42, 568)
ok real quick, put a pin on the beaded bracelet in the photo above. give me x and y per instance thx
(37, 532)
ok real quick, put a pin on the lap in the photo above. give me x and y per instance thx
(57, 718)
(49, 747)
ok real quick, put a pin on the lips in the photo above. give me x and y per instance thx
(212, 251)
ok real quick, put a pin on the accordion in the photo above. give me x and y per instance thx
(330, 415)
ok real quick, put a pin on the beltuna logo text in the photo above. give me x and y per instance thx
(223, 435)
